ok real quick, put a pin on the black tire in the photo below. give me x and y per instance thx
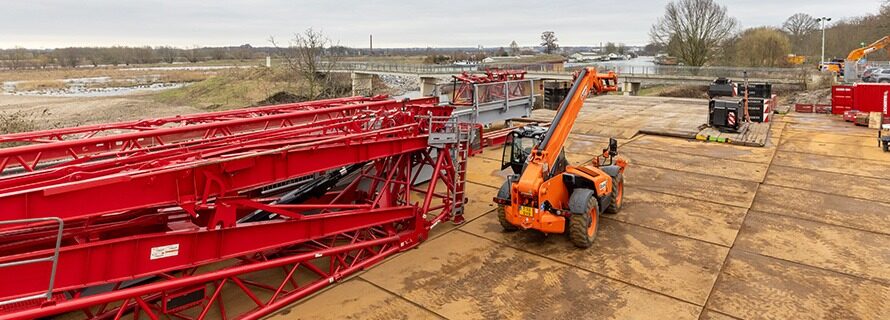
(617, 195)
(585, 216)
(886, 146)
(504, 193)
(884, 81)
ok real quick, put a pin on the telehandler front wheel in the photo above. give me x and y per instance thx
(504, 193)
(617, 194)
(584, 221)
(502, 218)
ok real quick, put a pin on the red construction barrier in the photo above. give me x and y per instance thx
(804, 108)
(841, 99)
(822, 108)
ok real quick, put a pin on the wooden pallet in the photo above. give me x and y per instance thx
(753, 134)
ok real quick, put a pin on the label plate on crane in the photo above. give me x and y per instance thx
(526, 211)
(164, 251)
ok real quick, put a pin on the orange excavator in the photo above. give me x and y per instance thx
(546, 193)
(838, 66)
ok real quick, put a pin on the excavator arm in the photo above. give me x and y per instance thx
(858, 54)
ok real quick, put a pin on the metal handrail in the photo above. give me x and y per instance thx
(628, 70)
(54, 258)
(462, 134)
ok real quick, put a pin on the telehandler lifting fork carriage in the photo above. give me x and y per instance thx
(547, 194)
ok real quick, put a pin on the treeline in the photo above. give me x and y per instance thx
(847, 34)
(703, 32)
(22, 58)
(801, 35)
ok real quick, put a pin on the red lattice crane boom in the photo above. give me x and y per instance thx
(168, 216)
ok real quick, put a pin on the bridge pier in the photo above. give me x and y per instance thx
(362, 84)
(631, 88)
(537, 90)
(427, 85)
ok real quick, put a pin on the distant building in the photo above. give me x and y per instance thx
(501, 59)
(585, 57)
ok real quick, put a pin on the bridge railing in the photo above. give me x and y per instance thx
(400, 68)
(529, 67)
(623, 70)
(734, 73)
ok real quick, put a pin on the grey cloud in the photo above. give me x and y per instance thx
(46, 23)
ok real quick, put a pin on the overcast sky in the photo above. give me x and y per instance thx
(417, 23)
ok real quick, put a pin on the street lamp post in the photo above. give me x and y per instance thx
(823, 20)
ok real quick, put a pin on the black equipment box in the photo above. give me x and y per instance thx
(757, 90)
(756, 107)
(722, 87)
(726, 114)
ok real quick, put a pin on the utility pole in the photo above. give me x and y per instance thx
(371, 44)
(823, 20)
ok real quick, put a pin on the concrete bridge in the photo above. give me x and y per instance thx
(631, 77)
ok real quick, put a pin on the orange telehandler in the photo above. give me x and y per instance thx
(546, 193)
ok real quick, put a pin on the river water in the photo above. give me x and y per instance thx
(83, 87)
(642, 61)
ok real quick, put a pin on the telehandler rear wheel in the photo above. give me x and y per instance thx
(584, 221)
(617, 194)
(504, 193)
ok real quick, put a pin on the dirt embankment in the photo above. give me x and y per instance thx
(817, 96)
(230, 89)
(676, 91)
(28, 113)
(786, 96)
(258, 86)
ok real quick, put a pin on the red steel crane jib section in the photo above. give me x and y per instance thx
(494, 85)
(152, 208)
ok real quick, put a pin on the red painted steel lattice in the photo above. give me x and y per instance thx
(166, 217)
(494, 85)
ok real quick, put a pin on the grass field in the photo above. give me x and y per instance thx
(238, 88)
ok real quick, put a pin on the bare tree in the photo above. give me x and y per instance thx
(243, 52)
(693, 30)
(514, 48)
(192, 54)
(308, 58)
(168, 54)
(799, 26)
(549, 42)
(218, 53)
(68, 57)
(43, 60)
(17, 57)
